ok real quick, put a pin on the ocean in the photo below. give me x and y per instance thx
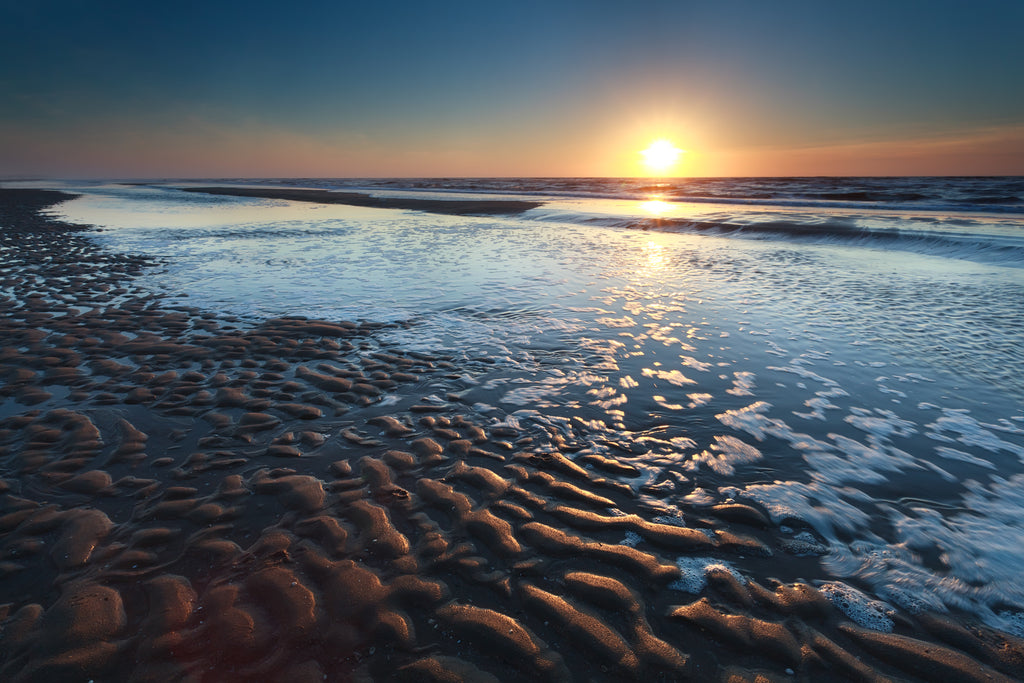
(843, 353)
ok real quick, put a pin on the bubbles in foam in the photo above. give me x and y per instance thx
(875, 455)
(872, 614)
(742, 384)
(673, 520)
(819, 506)
(694, 573)
(958, 425)
(1011, 622)
(803, 544)
(632, 539)
(818, 406)
(980, 552)
(752, 420)
(834, 469)
(699, 497)
(882, 423)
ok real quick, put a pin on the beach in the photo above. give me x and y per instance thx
(196, 490)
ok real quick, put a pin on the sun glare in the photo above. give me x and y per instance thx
(656, 206)
(661, 155)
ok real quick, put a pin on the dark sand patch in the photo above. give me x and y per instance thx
(455, 207)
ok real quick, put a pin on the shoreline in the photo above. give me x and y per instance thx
(183, 494)
(453, 207)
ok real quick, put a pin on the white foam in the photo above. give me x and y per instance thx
(895, 392)
(802, 544)
(818, 406)
(751, 419)
(724, 455)
(671, 376)
(694, 573)
(837, 470)
(697, 400)
(742, 384)
(624, 321)
(881, 422)
(1004, 426)
(872, 614)
(663, 402)
(591, 425)
(627, 382)
(689, 362)
(954, 454)
(981, 551)
(941, 472)
(801, 371)
(673, 520)
(960, 426)
(1011, 622)
(876, 454)
(818, 505)
(700, 498)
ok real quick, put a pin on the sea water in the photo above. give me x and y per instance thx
(844, 352)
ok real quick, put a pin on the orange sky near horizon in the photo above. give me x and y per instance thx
(258, 151)
(534, 89)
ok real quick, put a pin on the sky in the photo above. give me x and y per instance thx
(119, 89)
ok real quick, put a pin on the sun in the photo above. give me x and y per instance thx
(661, 155)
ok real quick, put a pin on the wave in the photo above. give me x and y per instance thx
(890, 213)
(960, 246)
(865, 196)
(987, 195)
(960, 194)
(990, 248)
(994, 200)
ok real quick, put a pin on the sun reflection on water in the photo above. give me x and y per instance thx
(655, 256)
(656, 207)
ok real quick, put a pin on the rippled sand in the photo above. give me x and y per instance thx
(189, 498)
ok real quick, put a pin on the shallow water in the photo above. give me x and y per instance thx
(870, 397)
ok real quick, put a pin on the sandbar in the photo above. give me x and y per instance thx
(455, 207)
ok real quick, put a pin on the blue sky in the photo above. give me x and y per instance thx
(121, 89)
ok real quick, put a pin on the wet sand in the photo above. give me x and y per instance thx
(187, 497)
(455, 207)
